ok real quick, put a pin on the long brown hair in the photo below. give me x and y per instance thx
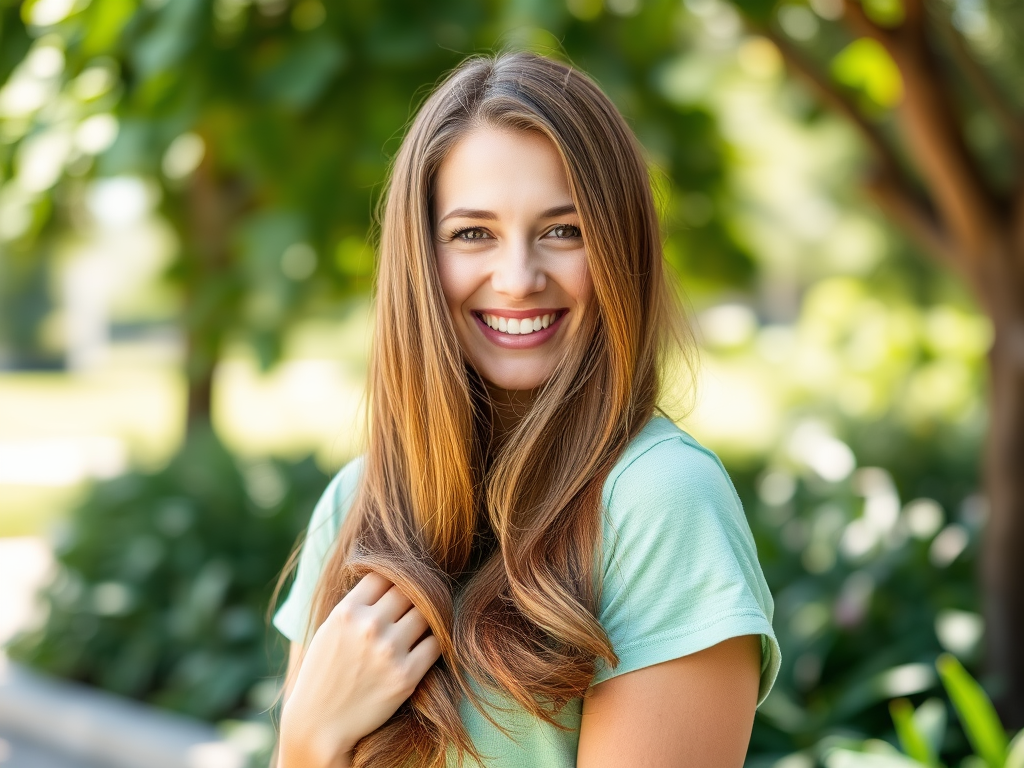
(499, 545)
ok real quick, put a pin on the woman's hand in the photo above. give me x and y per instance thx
(363, 662)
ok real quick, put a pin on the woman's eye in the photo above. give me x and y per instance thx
(471, 233)
(565, 231)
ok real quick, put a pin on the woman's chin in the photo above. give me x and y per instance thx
(515, 381)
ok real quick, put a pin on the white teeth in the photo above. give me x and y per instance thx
(519, 327)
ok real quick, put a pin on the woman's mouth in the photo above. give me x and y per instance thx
(519, 329)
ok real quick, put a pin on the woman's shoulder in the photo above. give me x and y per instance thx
(663, 462)
(292, 616)
(680, 568)
(346, 480)
(335, 501)
(668, 500)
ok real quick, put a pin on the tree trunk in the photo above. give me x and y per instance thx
(199, 407)
(211, 205)
(976, 230)
(1002, 566)
(977, 238)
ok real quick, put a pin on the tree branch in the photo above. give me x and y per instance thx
(890, 187)
(1017, 215)
(933, 133)
(987, 90)
(827, 91)
(861, 24)
(912, 219)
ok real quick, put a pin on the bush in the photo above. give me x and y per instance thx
(920, 731)
(873, 574)
(164, 582)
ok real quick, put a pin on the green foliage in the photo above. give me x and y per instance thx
(861, 591)
(885, 13)
(977, 716)
(920, 731)
(912, 737)
(865, 65)
(282, 117)
(865, 515)
(164, 582)
(1015, 753)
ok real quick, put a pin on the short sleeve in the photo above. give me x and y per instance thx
(292, 618)
(680, 565)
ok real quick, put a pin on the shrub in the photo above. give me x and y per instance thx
(164, 581)
(873, 573)
(921, 731)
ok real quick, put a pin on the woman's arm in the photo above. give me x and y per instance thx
(695, 711)
(295, 653)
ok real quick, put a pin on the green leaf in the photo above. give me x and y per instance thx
(758, 11)
(106, 22)
(865, 66)
(911, 738)
(930, 719)
(171, 39)
(304, 72)
(885, 13)
(975, 710)
(1015, 754)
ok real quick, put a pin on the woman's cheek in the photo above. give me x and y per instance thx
(453, 277)
(579, 282)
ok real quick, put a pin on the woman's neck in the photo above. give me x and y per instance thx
(508, 408)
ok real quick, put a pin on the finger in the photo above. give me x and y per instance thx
(392, 605)
(410, 628)
(369, 590)
(422, 657)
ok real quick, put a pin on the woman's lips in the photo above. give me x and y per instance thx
(519, 341)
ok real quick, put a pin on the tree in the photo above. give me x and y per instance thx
(947, 169)
(268, 128)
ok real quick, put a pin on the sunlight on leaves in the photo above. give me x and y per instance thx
(865, 66)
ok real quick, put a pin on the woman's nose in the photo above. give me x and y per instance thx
(518, 272)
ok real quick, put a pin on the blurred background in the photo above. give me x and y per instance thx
(187, 191)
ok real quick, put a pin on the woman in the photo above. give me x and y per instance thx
(527, 567)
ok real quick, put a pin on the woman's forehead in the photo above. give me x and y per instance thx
(502, 171)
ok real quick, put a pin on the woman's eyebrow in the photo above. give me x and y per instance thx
(468, 213)
(558, 210)
(476, 213)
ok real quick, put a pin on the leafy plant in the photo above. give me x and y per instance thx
(920, 731)
(872, 576)
(164, 581)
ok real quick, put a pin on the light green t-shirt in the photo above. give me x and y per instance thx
(680, 575)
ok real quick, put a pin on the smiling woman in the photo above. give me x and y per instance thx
(510, 255)
(528, 566)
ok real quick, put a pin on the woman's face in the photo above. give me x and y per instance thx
(509, 254)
